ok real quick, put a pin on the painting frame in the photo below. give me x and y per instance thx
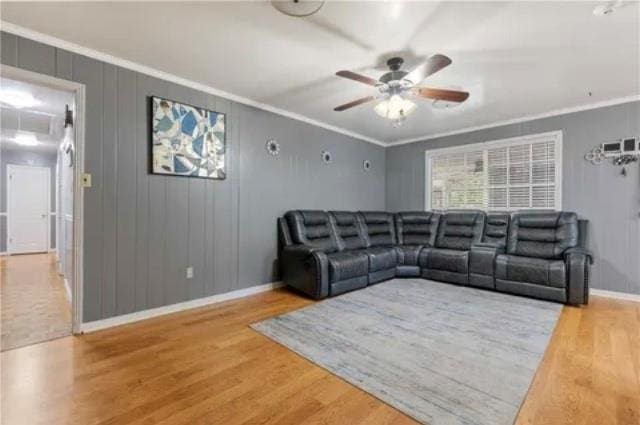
(170, 149)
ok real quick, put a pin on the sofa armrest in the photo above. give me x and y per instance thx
(482, 257)
(305, 268)
(578, 260)
(579, 251)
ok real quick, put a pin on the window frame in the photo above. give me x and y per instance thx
(555, 136)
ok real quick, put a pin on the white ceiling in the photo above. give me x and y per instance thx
(515, 58)
(45, 120)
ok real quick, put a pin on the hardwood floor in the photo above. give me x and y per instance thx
(34, 301)
(206, 366)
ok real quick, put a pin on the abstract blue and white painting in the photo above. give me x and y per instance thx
(187, 141)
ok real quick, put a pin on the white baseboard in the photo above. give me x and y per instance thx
(241, 293)
(174, 308)
(67, 289)
(617, 295)
(3, 253)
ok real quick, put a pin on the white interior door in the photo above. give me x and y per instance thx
(28, 196)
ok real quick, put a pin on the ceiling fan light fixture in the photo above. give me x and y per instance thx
(395, 108)
(297, 8)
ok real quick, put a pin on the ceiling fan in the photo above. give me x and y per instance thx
(396, 85)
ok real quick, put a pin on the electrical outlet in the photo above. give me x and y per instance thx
(189, 272)
(86, 180)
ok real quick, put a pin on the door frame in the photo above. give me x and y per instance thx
(10, 168)
(78, 91)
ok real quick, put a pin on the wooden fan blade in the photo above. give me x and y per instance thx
(357, 77)
(432, 65)
(354, 103)
(441, 94)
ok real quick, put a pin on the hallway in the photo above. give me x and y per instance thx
(35, 306)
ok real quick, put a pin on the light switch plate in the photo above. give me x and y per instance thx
(189, 272)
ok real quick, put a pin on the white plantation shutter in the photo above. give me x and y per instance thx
(543, 173)
(438, 181)
(457, 180)
(520, 173)
(497, 178)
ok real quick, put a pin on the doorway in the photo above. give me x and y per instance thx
(28, 208)
(41, 141)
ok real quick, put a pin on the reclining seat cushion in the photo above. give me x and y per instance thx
(381, 258)
(533, 264)
(345, 265)
(312, 228)
(348, 229)
(460, 229)
(379, 228)
(531, 270)
(543, 234)
(451, 260)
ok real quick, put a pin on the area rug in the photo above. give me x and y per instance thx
(442, 354)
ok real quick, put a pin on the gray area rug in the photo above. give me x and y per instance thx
(442, 354)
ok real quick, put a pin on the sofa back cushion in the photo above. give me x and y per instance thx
(348, 229)
(312, 228)
(460, 229)
(542, 234)
(379, 229)
(496, 228)
(417, 227)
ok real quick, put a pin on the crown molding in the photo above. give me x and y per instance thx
(555, 112)
(143, 69)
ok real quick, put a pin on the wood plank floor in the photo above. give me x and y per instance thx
(206, 366)
(34, 301)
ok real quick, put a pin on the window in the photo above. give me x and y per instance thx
(511, 174)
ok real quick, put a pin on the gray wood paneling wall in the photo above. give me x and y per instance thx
(599, 193)
(142, 231)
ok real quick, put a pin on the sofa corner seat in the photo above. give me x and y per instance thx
(415, 231)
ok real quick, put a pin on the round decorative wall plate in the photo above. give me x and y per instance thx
(366, 164)
(595, 156)
(326, 157)
(273, 147)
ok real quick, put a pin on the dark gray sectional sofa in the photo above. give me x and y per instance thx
(538, 254)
